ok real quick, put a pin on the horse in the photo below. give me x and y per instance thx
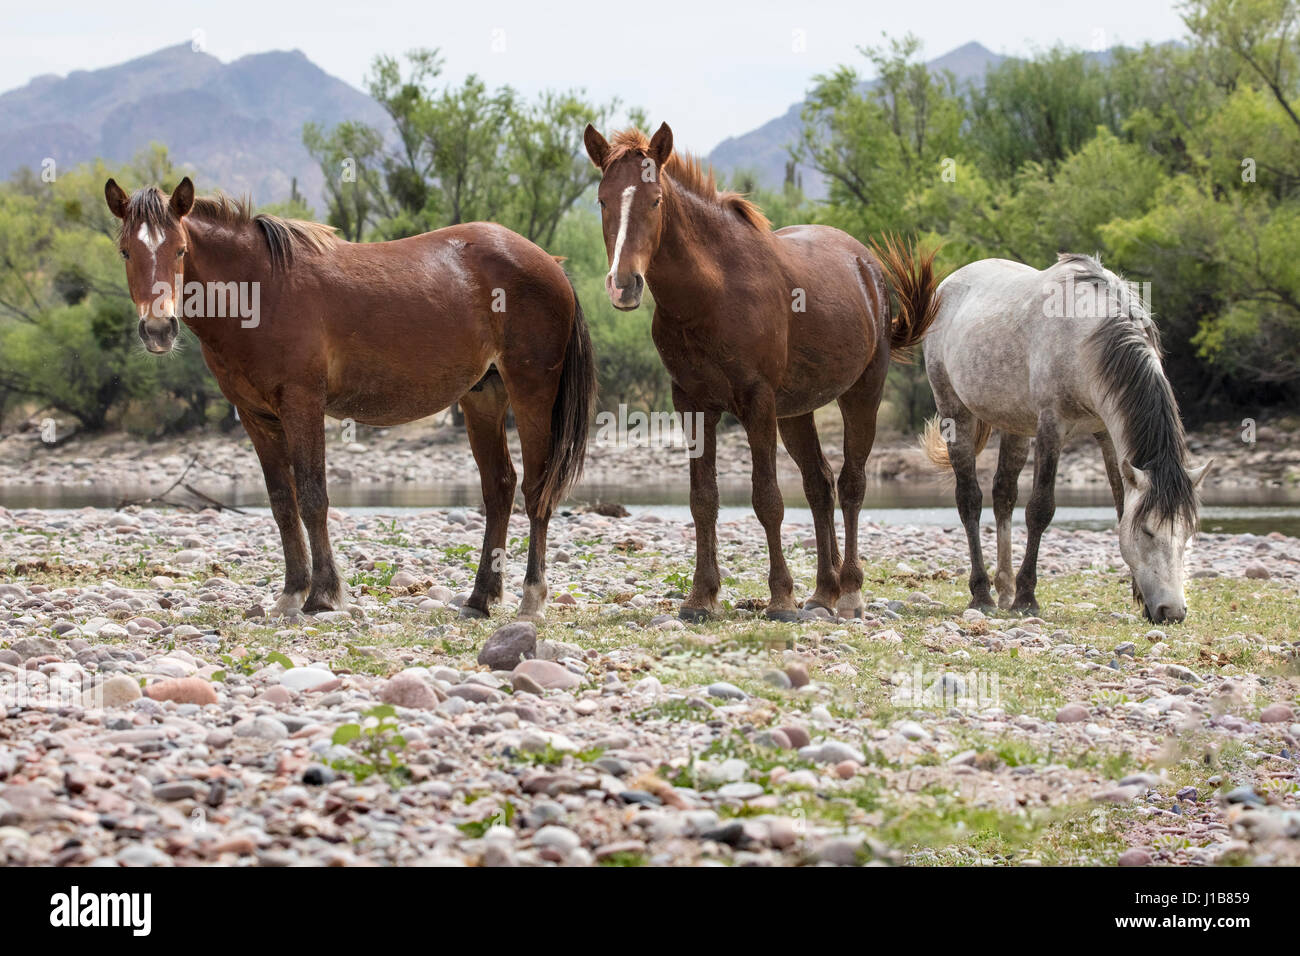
(378, 333)
(769, 326)
(1050, 355)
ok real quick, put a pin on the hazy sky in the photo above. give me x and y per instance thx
(711, 69)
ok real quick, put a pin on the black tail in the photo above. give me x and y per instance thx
(571, 413)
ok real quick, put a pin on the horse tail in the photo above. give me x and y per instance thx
(571, 413)
(911, 273)
(935, 445)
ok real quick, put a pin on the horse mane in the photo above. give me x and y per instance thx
(1126, 344)
(283, 237)
(692, 174)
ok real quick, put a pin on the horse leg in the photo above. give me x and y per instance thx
(858, 408)
(303, 415)
(1040, 509)
(759, 420)
(273, 453)
(1013, 450)
(485, 422)
(701, 428)
(532, 403)
(1112, 470)
(800, 437)
(970, 501)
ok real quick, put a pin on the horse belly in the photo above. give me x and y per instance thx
(824, 358)
(384, 388)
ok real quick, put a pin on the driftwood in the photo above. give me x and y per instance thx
(207, 501)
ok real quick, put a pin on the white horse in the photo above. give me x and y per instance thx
(1050, 355)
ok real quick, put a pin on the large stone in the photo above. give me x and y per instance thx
(28, 647)
(797, 736)
(549, 675)
(408, 690)
(184, 690)
(509, 645)
(1277, 714)
(117, 691)
(726, 691)
(305, 678)
(1072, 714)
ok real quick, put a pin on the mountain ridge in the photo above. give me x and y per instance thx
(236, 125)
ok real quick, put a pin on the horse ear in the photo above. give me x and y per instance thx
(597, 146)
(661, 144)
(1135, 478)
(117, 198)
(182, 200)
(1198, 474)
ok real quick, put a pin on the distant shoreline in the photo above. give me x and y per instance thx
(434, 451)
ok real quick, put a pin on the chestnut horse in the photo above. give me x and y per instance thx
(380, 333)
(769, 326)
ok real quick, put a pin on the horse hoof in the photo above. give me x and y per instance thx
(781, 614)
(695, 615)
(473, 613)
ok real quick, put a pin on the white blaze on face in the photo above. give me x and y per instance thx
(152, 240)
(624, 212)
(163, 296)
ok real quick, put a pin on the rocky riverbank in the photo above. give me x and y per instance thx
(434, 451)
(154, 716)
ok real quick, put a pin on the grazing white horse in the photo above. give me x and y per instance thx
(1050, 355)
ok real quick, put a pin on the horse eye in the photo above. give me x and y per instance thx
(656, 203)
(179, 253)
(125, 254)
(601, 203)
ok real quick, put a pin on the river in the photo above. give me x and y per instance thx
(1225, 510)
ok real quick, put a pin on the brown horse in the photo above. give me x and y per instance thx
(769, 326)
(380, 333)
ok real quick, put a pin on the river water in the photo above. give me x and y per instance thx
(1225, 510)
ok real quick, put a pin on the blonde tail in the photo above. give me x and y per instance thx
(935, 445)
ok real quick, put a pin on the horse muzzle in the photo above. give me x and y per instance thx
(159, 335)
(625, 298)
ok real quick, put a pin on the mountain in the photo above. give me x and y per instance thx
(235, 125)
(765, 152)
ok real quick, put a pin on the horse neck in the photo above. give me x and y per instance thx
(1121, 423)
(684, 272)
(221, 253)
